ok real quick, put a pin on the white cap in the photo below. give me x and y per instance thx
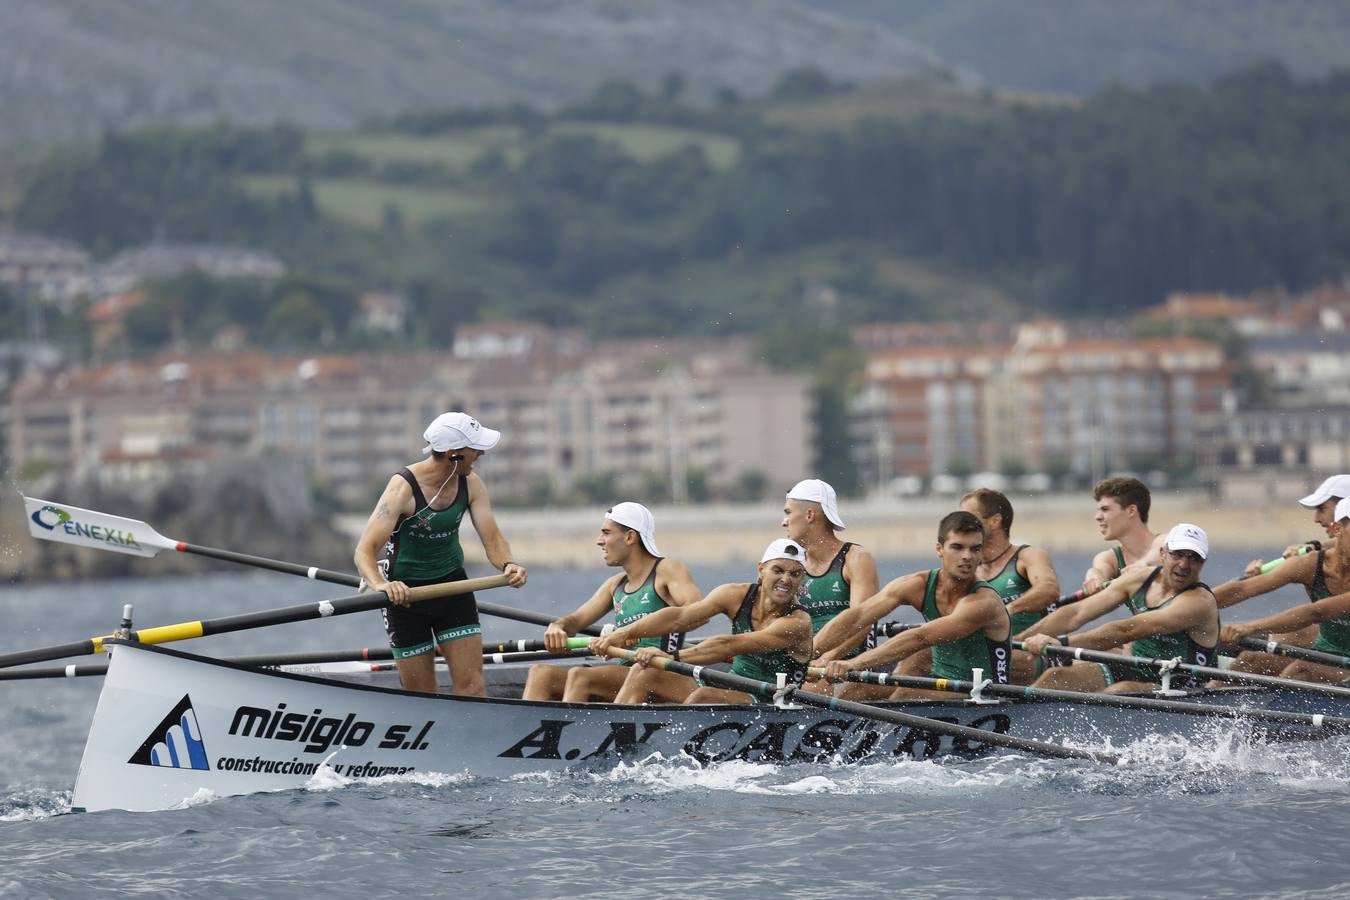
(816, 491)
(640, 519)
(1342, 510)
(784, 549)
(1188, 537)
(1335, 486)
(455, 430)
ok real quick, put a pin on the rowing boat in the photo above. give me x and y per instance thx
(172, 728)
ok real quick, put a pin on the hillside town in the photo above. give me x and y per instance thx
(933, 406)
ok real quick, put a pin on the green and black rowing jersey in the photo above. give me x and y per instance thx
(974, 651)
(1010, 584)
(629, 606)
(1333, 635)
(764, 666)
(1173, 645)
(826, 595)
(425, 548)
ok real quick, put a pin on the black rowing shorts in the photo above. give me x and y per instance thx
(419, 629)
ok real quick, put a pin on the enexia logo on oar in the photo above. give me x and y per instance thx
(89, 528)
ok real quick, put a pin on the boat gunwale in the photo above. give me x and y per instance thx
(956, 699)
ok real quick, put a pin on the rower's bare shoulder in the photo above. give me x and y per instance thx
(395, 500)
(672, 573)
(859, 557)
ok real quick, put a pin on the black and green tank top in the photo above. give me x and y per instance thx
(629, 606)
(1011, 584)
(1120, 558)
(764, 666)
(425, 546)
(974, 651)
(826, 595)
(1333, 635)
(1173, 645)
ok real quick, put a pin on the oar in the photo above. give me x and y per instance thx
(1076, 596)
(50, 521)
(765, 691)
(185, 630)
(1116, 701)
(357, 668)
(1252, 642)
(492, 653)
(1220, 674)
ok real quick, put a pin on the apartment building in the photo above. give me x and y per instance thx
(634, 413)
(1042, 402)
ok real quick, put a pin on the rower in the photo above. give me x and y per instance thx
(1323, 624)
(647, 583)
(1173, 615)
(1322, 502)
(839, 574)
(966, 623)
(1023, 576)
(1122, 516)
(770, 634)
(411, 540)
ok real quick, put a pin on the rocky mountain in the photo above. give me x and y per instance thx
(75, 68)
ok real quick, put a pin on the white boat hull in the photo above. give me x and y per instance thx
(172, 728)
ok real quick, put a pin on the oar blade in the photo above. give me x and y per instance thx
(65, 524)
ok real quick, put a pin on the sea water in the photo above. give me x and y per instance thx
(1213, 818)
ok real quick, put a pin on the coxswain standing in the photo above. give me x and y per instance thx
(411, 540)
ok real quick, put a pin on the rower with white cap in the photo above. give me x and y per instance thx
(1323, 624)
(1172, 615)
(770, 634)
(839, 573)
(1322, 502)
(411, 540)
(647, 584)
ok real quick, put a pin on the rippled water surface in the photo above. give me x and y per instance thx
(1211, 818)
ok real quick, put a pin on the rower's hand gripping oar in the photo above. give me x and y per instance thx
(282, 615)
(766, 691)
(65, 524)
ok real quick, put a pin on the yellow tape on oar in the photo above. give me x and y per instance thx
(164, 634)
(161, 634)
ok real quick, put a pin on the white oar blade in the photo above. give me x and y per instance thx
(50, 521)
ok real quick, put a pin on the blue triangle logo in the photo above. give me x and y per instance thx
(176, 743)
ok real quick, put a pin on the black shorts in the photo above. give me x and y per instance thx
(418, 629)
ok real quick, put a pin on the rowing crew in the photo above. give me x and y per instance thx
(816, 597)
(984, 594)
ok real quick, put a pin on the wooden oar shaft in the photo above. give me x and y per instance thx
(183, 630)
(1275, 648)
(765, 691)
(1219, 674)
(1114, 701)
